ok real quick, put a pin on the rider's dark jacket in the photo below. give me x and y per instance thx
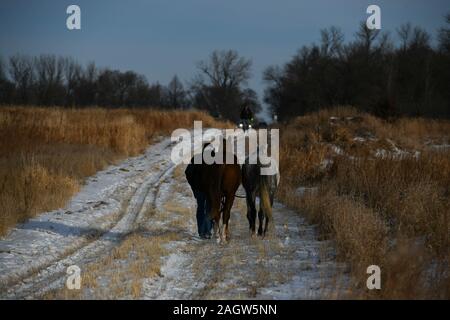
(246, 113)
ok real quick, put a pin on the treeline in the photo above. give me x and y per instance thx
(370, 73)
(49, 80)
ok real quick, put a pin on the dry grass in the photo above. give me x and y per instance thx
(46, 153)
(392, 211)
(121, 273)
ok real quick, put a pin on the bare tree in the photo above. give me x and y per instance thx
(404, 33)
(176, 95)
(21, 72)
(420, 39)
(444, 36)
(126, 82)
(332, 41)
(6, 87)
(225, 69)
(2, 69)
(49, 74)
(366, 36)
(72, 77)
(87, 90)
(410, 36)
(273, 77)
(218, 86)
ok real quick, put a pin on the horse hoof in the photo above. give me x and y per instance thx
(265, 236)
(221, 242)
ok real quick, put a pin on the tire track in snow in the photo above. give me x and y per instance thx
(290, 264)
(53, 275)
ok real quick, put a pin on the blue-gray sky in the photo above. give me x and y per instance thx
(160, 38)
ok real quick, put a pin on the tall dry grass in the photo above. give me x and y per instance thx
(391, 210)
(45, 153)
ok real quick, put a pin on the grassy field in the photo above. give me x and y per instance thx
(380, 190)
(46, 153)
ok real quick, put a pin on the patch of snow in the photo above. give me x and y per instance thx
(336, 149)
(301, 191)
(440, 146)
(326, 163)
(381, 153)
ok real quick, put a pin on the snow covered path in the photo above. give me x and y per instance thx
(148, 195)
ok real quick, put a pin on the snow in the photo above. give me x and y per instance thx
(34, 255)
(443, 146)
(359, 139)
(337, 150)
(95, 212)
(301, 191)
(290, 264)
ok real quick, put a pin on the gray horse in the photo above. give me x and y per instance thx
(262, 186)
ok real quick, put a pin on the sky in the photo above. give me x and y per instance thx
(161, 38)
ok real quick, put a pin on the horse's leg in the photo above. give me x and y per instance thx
(261, 216)
(261, 221)
(215, 213)
(266, 227)
(268, 217)
(265, 205)
(226, 215)
(248, 211)
(251, 212)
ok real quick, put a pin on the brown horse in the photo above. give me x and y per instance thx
(220, 182)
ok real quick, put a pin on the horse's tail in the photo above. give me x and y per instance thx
(265, 197)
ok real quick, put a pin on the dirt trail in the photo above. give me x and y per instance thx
(290, 264)
(132, 232)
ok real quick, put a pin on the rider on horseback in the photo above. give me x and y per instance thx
(246, 116)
